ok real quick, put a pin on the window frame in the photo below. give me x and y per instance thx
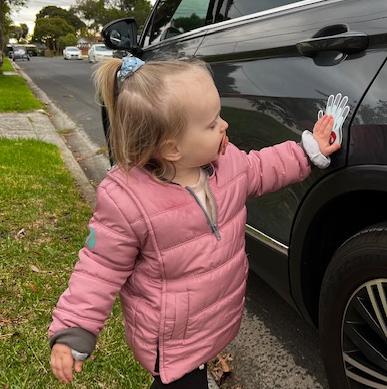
(149, 25)
(219, 25)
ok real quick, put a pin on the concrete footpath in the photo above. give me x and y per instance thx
(83, 159)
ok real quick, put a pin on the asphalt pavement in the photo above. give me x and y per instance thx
(68, 83)
(275, 347)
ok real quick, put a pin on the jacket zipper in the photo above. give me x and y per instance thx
(213, 225)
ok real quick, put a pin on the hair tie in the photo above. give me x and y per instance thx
(129, 65)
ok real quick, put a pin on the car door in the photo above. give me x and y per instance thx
(175, 28)
(272, 84)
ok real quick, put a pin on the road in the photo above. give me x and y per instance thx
(275, 347)
(69, 85)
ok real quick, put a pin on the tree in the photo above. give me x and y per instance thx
(24, 28)
(5, 21)
(100, 12)
(52, 11)
(67, 40)
(49, 30)
(15, 32)
(18, 32)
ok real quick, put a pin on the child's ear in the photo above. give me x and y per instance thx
(169, 151)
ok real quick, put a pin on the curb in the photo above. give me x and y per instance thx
(61, 121)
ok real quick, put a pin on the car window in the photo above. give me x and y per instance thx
(101, 48)
(230, 9)
(175, 17)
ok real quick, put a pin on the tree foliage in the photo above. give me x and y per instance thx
(49, 30)
(5, 20)
(18, 32)
(68, 40)
(69, 16)
(100, 12)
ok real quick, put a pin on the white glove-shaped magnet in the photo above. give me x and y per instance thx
(338, 108)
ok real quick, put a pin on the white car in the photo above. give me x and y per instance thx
(99, 52)
(72, 52)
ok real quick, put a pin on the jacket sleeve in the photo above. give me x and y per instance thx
(105, 263)
(275, 167)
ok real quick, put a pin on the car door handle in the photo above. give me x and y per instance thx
(348, 42)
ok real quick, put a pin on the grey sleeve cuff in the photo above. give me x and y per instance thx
(76, 338)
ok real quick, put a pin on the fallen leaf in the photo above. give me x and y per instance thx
(35, 269)
(224, 362)
(21, 234)
(220, 367)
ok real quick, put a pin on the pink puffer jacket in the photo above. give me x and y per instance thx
(182, 287)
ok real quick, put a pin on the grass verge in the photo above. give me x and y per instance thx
(7, 66)
(43, 224)
(15, 95)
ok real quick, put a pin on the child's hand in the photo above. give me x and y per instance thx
(62, 363)
(322, 133)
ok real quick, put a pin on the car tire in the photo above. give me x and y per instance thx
(351, 334)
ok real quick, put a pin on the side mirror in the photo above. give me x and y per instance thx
(121, 34)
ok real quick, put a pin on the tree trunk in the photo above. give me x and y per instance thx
(2, 11)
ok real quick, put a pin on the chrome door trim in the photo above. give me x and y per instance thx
(267, 240)
(217, 26)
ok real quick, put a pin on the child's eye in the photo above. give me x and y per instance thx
(213, 126)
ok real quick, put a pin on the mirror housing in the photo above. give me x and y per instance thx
(121, 34)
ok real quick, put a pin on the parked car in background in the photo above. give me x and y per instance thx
(20, 52)
(72, 52)
(99, 52)
(321, 244)
(31, 50)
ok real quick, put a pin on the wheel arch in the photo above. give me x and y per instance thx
(339, 206)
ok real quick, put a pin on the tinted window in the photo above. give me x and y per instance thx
(230, 9)
(174, 17)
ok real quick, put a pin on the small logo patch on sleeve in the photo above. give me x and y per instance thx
(90, 240)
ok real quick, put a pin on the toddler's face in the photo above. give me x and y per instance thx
(202, 140)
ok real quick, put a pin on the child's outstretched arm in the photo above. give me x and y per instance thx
(275, 167)
(105, 263)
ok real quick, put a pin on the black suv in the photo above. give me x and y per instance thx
(321, 244)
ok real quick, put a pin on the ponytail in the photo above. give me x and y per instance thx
(106, 84)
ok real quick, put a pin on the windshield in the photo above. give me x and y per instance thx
(72, 49)
(101, 48)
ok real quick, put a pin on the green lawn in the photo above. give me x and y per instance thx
(43, 224)
(15, 95)
(7, 66)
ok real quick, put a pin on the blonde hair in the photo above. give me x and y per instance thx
(143, 112)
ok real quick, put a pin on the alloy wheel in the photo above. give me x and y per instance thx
(364, 336)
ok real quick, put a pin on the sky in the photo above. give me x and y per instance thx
(27, 13)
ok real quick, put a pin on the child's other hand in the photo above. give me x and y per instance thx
(63, 363)
(322, 133)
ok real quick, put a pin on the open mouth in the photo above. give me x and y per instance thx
(223, 145)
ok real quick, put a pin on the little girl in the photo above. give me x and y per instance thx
(168, 229)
